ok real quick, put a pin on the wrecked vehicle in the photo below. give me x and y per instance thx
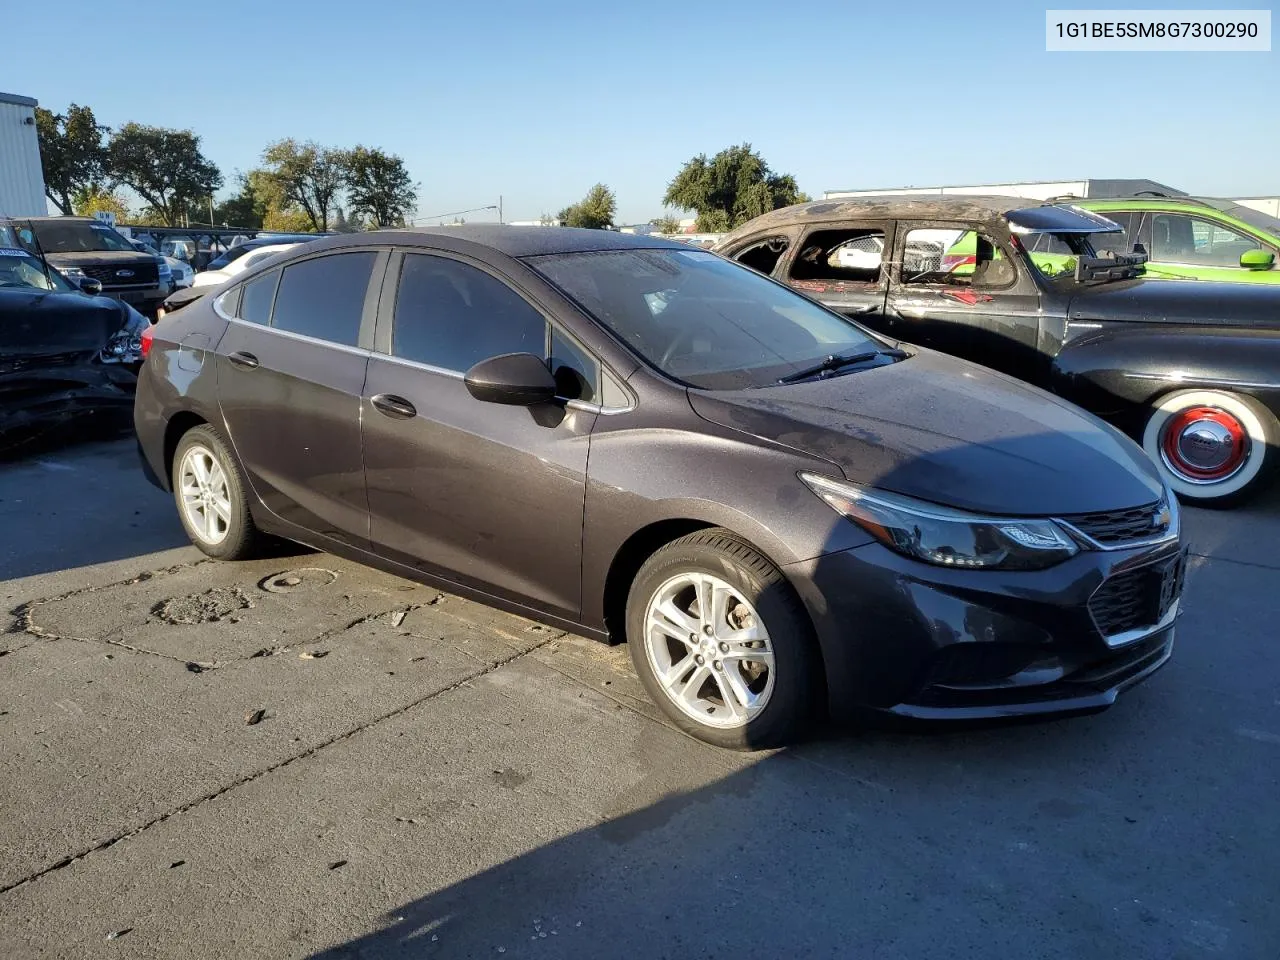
(63, 352)
(1191, 371)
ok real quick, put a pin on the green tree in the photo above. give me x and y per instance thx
(667, 224)
(594, 211)
(247, 208)
(307, 177)
(71, 153)
(378, 187)
(164, 167)
(91, 200)
(734, 186)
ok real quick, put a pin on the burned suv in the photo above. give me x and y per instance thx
(82, 248)
(1188, 369)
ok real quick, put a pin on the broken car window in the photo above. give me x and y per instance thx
(954, 257)
(764, 256)
(849, 255)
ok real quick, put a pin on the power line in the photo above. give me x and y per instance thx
(456, 213)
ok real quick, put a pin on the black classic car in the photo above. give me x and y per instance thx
(1192, 371)
(63, 352)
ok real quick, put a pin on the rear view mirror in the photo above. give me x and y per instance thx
(520, 379)
(1257, 259)
(90, 286)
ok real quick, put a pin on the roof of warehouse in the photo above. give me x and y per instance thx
(18, 100)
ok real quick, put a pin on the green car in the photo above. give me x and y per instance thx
(1194, 238)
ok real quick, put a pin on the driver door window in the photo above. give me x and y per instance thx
(1191, 240)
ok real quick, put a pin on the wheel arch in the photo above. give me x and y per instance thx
(177, 427)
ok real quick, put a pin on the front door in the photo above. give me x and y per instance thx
(291, 367)
(483, 494)
(958, 290)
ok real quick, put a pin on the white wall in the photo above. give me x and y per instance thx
(1270, 205)
(21, 179)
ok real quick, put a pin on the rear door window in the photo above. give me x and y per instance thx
(255, 301)
(324, 297)
(851, 255)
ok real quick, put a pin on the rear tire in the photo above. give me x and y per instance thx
(722, 643)
(1212, 447)
(209, 491)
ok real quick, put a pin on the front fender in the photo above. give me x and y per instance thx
(1123, 370)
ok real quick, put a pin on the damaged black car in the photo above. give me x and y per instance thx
(64, 352)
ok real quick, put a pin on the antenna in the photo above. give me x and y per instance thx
(40, 253)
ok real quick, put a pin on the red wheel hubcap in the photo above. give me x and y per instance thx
(1204, 444)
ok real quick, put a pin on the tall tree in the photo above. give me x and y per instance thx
(164, 167)
(71, 153)
(308, 176)
(92, 200)
(734, 186)
(594, 211)
(248, 208)
(378, 187)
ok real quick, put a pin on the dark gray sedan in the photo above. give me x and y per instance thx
(780, 511)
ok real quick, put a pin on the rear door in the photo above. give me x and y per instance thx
(957, 289)
(482, 494)
(291, 367)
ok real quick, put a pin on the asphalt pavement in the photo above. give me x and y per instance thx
(301, 757)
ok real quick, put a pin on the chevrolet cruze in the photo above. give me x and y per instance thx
(781, 513)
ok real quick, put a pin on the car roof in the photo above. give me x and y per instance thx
(912, 206)
(512, 241)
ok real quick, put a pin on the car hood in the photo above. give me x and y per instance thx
(950, 432)
(36, 323)
(1179, 301)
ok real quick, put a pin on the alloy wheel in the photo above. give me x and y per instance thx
(206, 501)
(709, 649)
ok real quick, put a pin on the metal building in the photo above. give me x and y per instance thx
(21, 179)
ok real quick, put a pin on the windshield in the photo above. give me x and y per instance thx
(700, 319)
(1254, 218)
(19, 269)
(1054, 255)
(77, 236)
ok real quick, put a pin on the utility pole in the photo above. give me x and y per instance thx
(499, 209)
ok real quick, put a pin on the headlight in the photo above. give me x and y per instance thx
(943, 536)
(74, 272)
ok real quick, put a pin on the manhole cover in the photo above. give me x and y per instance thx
(207, 607)
(301, 579)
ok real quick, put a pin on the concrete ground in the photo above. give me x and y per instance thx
(299, 757)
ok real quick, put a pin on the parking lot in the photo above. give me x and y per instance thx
(300, 757)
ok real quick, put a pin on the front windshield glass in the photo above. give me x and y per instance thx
(1054, 255)
(1255, 218)
(77, 236)
(701, 319)
(19, 269)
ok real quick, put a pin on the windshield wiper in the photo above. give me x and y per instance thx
(836, 361)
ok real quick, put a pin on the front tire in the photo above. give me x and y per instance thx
(209, 491)
(722, 643)
(1213, 448)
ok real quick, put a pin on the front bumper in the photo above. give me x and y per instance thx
(916, 640)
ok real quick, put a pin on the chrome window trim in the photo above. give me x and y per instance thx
(345, 348)
(580, 405)
(217, 308)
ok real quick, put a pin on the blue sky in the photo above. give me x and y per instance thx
(538, 101)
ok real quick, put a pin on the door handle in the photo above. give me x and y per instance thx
(861, 309)
(242, 359)
(397, 408)
(910, 313)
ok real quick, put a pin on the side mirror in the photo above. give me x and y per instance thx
(519, 379)
(1258, 259)
(90, 286)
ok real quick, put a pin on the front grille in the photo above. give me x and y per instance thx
(145, 272)
(20, 364)
(1137, 599)
(1113, 527)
